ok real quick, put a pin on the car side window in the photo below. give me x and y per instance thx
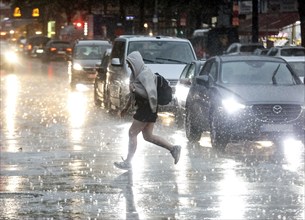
(213, 71)
(206, 69)
(184, 72)
(273, 52)
(118, 50)
(191, 71)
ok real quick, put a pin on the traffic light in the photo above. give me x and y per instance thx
(78, 24)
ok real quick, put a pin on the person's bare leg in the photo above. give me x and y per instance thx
(150, 137)
(135, 128)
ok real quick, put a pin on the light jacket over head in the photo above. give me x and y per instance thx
(142, 79)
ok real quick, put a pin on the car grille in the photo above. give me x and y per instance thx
(276, 112)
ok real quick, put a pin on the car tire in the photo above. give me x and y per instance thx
(193, 128)
(219, 139)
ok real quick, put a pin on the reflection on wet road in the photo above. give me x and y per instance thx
(58, 149)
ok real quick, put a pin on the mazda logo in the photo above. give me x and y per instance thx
(277, 109)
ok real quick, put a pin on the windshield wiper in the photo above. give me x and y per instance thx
(151, 61)
(172, 60)
(274, 74)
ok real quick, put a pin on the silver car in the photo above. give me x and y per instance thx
(86, 56)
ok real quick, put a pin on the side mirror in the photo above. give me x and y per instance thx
(116, 62)
(202, 80)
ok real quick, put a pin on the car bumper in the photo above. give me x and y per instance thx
(246, 124)
(84, 76)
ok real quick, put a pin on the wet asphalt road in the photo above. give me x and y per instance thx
(58, 149)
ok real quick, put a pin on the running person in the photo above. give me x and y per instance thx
(143, 90)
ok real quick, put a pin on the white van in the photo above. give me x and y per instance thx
(165, 55)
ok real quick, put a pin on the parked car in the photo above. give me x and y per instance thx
(164, 55)
(8, 56)
(243, 48)
(57, 49)
(86, 55)
(245, 98)
(285, 51)
(34, 46)
(184, 83)
(297, 63)
(100, 79)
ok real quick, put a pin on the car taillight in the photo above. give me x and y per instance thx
(29, 47)
(52, 49)
(69, 49)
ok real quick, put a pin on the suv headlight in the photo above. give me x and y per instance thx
(11, 57)
(232, 106)
(77, 66)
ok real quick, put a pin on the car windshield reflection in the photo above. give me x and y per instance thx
(256, 72)
(165, 52)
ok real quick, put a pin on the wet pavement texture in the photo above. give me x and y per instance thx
(58, 149)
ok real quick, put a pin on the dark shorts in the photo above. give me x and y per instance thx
(143, 112)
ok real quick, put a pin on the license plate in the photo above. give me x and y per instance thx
(276, 127)
(61, 52)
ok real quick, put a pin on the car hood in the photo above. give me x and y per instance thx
(168, 71)
(264, 93)
(87, 63)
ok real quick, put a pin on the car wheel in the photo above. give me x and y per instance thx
(192, 124)
(219, 139)
(97, 101)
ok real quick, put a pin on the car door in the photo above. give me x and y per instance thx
(206, 91)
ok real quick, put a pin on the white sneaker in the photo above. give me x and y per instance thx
(124, 165)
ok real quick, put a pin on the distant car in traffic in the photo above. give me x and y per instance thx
(34, 46)
(57, 49)
(285, 51)
(184, 83)
(243, 48)
(86, 55)
(245, 98)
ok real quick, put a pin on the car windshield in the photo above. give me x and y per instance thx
(298, 67)
(89, 52)
(165, 52)
(256, 72)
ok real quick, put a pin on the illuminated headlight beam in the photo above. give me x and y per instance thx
(232, 106)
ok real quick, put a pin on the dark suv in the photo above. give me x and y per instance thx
(245, 98)
(86, 55)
